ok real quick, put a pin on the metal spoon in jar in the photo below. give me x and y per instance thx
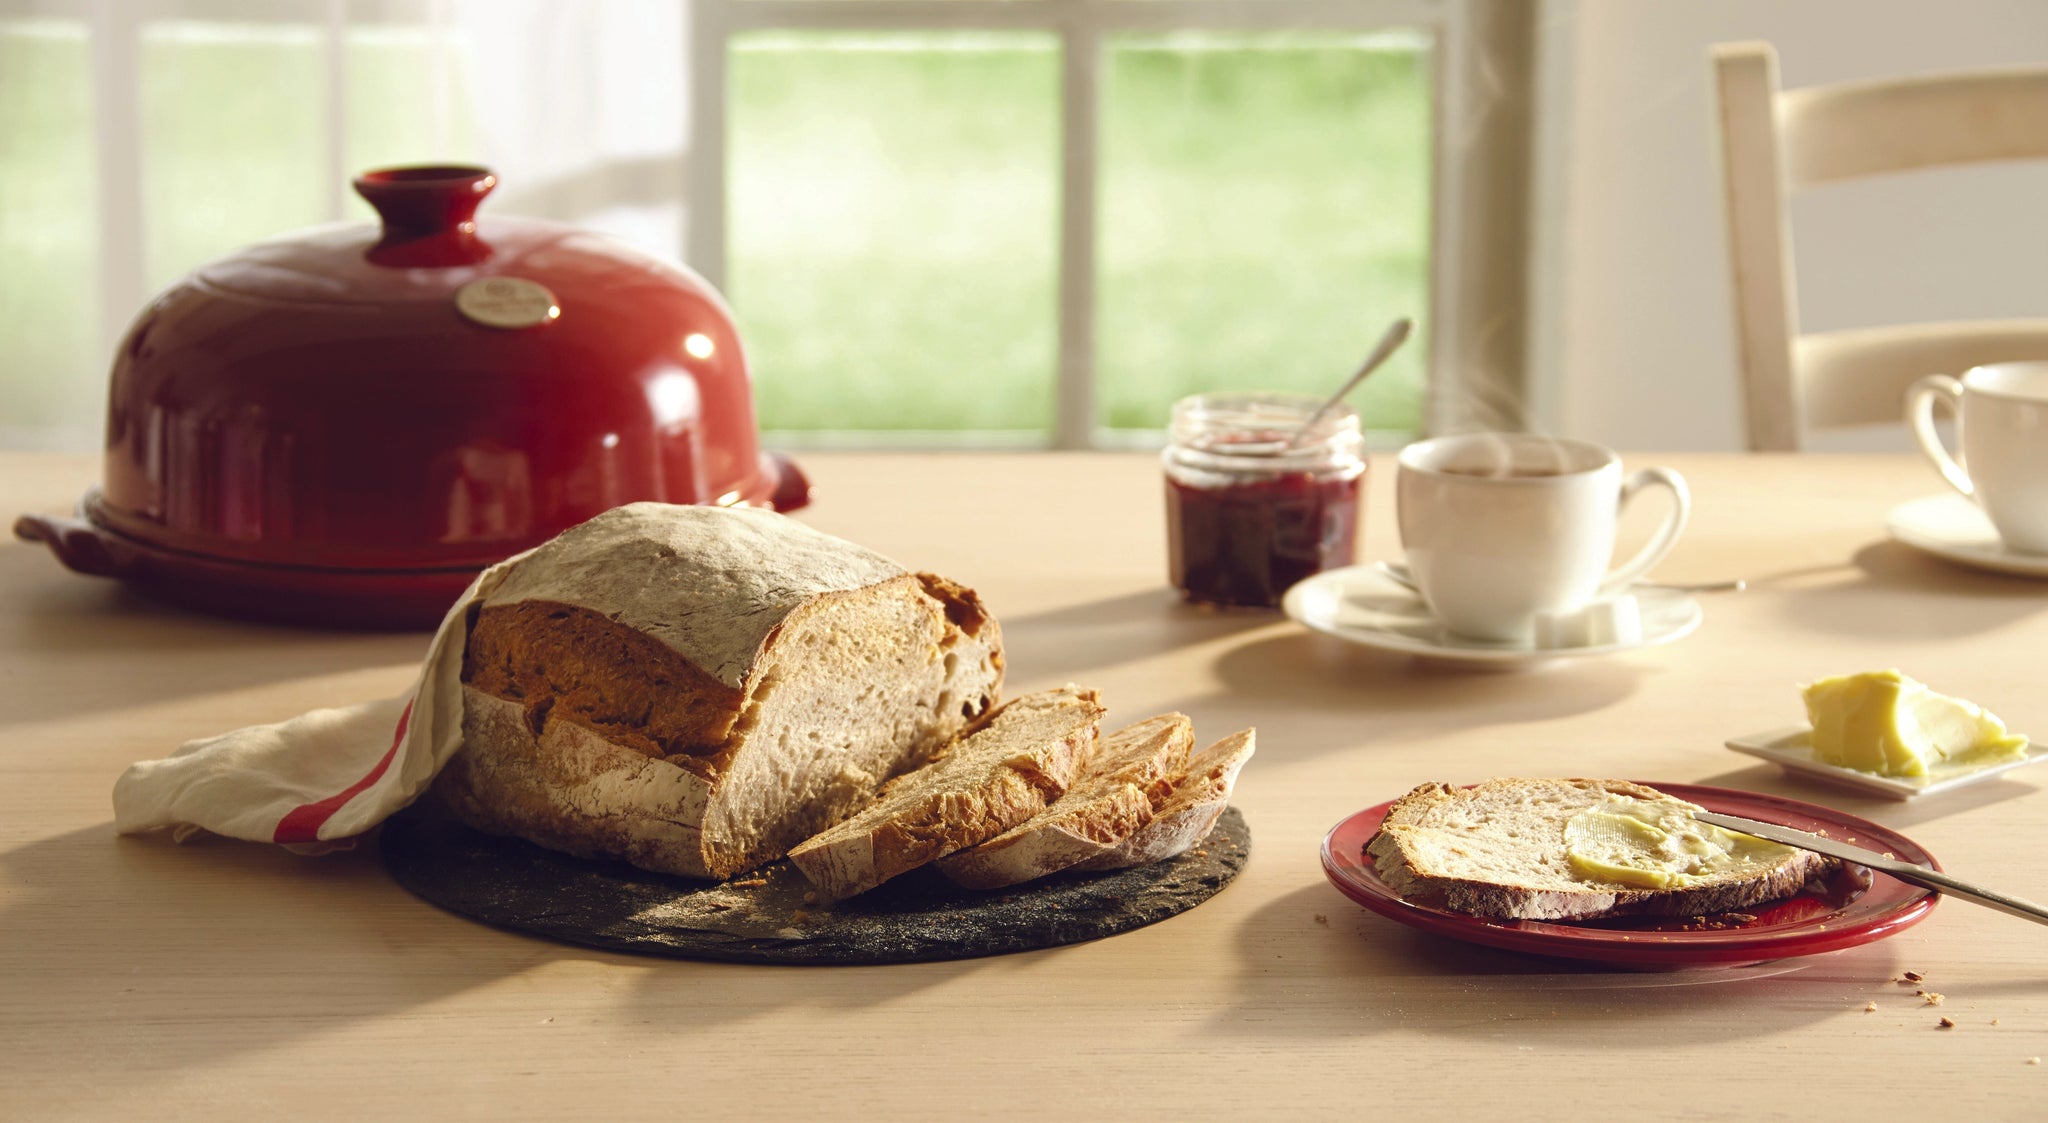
(1389, 343)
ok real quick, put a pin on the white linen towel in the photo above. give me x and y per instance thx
(316, 782)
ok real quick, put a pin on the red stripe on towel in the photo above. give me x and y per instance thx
(303, 823)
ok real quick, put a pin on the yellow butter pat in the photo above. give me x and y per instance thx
(1659, 845)
(1892, 725)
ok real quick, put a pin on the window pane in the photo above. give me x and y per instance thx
(406, 102)
(1264, 216)
(52, 384)
(234, 134)
(893, 227)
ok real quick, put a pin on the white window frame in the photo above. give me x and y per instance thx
(1482, 53)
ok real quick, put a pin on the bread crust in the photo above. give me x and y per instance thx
(562, 662)
(1189, 810)
(1396, 853)
(1024, 755)
(1110, 803)
(570, 789)
(711, 583)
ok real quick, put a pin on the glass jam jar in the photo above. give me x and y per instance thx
(1246, 515)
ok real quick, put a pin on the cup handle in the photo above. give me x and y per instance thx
(1667, 535)
(1921, 399)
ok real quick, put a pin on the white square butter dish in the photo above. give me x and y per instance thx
(1792, 748)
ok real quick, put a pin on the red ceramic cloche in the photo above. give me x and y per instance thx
(343, 426)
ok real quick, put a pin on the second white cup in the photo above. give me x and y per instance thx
(1502, 527)
(2002, 425)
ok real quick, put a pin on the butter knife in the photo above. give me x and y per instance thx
(1904, 871)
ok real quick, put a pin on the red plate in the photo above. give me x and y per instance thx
(1844, 915)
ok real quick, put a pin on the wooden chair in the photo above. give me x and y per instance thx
(1774, 142)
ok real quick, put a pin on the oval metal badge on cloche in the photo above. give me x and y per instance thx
(507, 302)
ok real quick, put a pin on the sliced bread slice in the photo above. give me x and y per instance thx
(1189, 810)
(1112, 800)
(1023, 756)
(1499, 849)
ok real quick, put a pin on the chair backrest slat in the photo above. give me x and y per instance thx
(1832, 133)
(1860, 377)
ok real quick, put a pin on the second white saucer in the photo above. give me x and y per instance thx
(1951, 527)
(1361, 605)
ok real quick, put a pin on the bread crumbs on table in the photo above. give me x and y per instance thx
(2033, 1060)
(1870, 1007)
(1947, 1023)
(1931, 998)
(1323, 920)
(1910, 977)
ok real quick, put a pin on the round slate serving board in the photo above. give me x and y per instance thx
(763, 918)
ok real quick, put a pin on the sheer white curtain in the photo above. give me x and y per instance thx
(581, 109)
(140, 137)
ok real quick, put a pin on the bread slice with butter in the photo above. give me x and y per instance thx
(1574, 849)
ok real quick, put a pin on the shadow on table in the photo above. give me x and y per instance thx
(351, 947)
(1946, 600)
(1367, 975)
(1119, 629)
(1337, 695)
(65, 619)
(205, 989)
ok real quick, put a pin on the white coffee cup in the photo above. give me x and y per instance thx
(1502, 527)
(2002, 429)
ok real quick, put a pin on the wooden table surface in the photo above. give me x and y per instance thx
(140, 979)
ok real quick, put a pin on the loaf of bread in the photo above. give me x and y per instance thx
(694, 690)
(1025, 755)
(1499, 849)
(1129, 778)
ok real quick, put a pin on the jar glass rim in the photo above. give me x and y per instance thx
(1260, 422)
(1260, 431)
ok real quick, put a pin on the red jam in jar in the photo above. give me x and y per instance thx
(1250, 509)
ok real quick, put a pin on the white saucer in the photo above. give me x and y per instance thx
(1792, 748)
(1950, 526)
(1359, 604)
